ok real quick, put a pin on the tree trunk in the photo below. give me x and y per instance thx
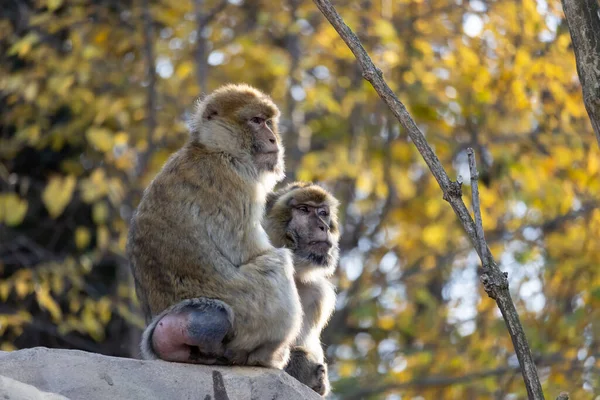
(584, 24)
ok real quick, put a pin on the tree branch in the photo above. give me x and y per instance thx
(151, 90)
(445, 381)
(475, 200)
(584, 25)
(202, 21)
(495, 282)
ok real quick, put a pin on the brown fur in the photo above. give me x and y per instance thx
(197, 233)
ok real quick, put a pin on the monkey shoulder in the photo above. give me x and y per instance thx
(194, 179)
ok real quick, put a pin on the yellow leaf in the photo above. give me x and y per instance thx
(121, 139)
(385, 29)
(47, 302)
(12, 209)
(94, 187)
(100, 212)
(184, 69)
(58, 284)
(104, 309)
(346, 369)
(593, 163)
(31, 91)
(82, 237)
(54, 4)
(101, 36)
(435, 236)
(429, 262)
(7, 346)
(4, 290)
(433, 207)
(386, 322)
(102, 237)
(91, 324)
(58, 194)
(23, 288)
(23, 46)
(100, 138)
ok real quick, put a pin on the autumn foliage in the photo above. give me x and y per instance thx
(84, 127)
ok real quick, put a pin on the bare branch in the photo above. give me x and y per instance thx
(584, 24)
(446, 381)
(475, 200)
(202, 21)
(431, 382)
(209, 16)
(151, 94)
(494, 280)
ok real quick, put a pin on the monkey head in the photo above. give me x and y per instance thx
(241, 122)
(303, 217)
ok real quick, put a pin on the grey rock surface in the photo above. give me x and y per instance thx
(87, 376)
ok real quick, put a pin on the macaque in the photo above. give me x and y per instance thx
(302, 217)
(211, 285)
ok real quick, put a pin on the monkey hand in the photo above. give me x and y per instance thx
(306, 369)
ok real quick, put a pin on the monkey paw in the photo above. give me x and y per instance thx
(305, 369)
(193, 331)
(320, 379)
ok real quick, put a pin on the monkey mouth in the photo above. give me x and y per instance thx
(267, 156)
(321, 245)
(266, 152)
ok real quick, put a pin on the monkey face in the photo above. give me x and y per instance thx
(303, 217)
(241, 121)
(267, 151)
(310, 231)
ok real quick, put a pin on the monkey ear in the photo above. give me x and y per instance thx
(271, 200)
(209, 112)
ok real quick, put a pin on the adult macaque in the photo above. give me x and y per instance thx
(213, 286)
(303, 218)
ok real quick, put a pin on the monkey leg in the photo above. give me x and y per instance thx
(308, 370)
(192, 331)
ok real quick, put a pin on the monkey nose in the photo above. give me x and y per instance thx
(323, 227)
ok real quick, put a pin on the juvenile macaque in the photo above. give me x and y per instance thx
(211, 284)
(303, 218)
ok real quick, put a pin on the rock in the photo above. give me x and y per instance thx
(87, 376)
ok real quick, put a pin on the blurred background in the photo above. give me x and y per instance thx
(94, 96)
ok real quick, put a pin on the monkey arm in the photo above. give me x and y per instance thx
(318, 303)
(307, 361)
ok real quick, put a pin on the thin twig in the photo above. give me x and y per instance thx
(494, 280)
(475, 199)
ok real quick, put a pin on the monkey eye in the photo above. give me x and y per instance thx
(323, 213)
(257, 120)
(270, 123)
(304, 209)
